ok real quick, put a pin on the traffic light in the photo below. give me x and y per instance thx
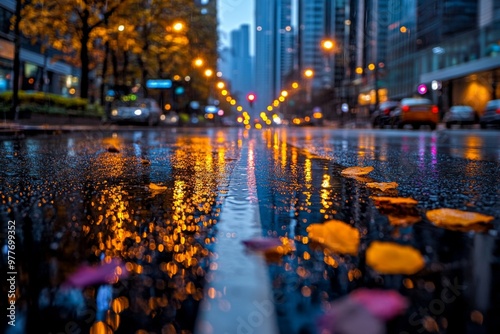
(251, 99)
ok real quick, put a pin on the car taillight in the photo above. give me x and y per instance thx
(406, 108)
(435, 109)
(387, 111)
(498, 110)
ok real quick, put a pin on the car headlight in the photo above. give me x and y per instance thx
(138, 112)
(114, 112)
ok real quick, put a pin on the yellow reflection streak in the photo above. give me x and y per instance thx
(472, 149)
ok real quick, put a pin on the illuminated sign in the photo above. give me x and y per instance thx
(159, 83)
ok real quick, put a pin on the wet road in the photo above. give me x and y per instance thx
(163, 202)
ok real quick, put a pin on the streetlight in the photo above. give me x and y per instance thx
(309, 74)
(198, 62)
(208, 73)
(178, 26)
(221, 85)
(374, 68)
(328, 45)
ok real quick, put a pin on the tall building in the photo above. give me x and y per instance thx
(402, 37)
(315, 20)
(373, 21)
(273, 49)
(241, 66)
(441, 19)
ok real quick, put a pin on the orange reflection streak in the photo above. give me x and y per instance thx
(366, 146)
(164, 237)
(472, 149)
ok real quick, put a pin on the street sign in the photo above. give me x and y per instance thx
(159, 83)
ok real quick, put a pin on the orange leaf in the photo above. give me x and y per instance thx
(356, 171)
(393, 258)
(382, 185)
(335, 235)
(457, 218)
(396, 220)
(393, 200)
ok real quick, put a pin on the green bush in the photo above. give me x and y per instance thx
(47, 103)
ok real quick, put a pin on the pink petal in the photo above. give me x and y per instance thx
(383, 304)
(104, 273)
(346, 317)
(262, 244)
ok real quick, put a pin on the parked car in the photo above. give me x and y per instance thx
(139, 111)
(415, 112)
(491, 115)
(461, 115)
(171, 118)
(382, 115)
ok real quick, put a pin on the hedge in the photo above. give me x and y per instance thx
(47, 103)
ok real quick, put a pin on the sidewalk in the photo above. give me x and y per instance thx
(49, 124)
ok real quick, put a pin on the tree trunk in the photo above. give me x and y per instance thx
(104, 73)
(84, 56)
(17, 63)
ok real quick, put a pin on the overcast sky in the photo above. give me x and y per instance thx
(232, 14)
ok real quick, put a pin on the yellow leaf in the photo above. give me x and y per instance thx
(155, 187)
(381, 200)
(356, 171)
(287, 246)
(457, 218)
(393, 258)
(382, 185)
(396, 220)
(335, 235)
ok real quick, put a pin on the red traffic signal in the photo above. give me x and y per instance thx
(251, 99)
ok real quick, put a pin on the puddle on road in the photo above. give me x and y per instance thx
(456, 292)
(77, 202)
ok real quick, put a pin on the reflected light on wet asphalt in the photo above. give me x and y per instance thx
(81, 203)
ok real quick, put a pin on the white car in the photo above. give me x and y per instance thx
(139, 111)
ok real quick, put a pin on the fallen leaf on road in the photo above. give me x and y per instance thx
(457, 218)
(393, 258)
(383, 304)
(356, 171)
(335, 235)
(87, 275)
(381, 200)
(346, 316)
(273, 248)
(158, 188)
(396, 220)
(362, 311)
(382, 185)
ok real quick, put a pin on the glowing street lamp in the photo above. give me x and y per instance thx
(221, 85)
(208, 73)
(198, 62)
(178, 26)
(328, 45)
(309, 73)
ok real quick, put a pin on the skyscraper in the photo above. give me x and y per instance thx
(273, 49)
(241, 66)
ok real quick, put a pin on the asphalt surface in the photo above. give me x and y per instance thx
(85, 196)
